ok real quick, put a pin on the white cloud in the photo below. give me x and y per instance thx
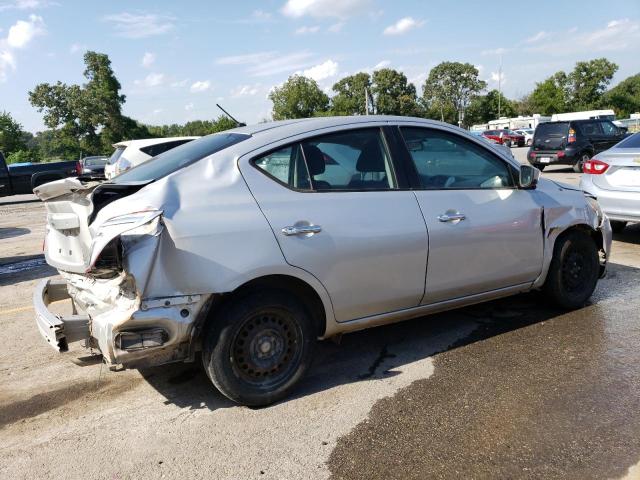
(180, 83)
(148, 59)
(617, 35)
(261, 15)
(305, 30)
(541, 35)
(495, 51)
(247, 59)
(325, 8)
(498, 76)
(336, 27)
(7, 63)
(382, 64)
(26, 5)
(131, 25)
(245, 90)
(23, 31)
(322, 71)
(402, 26)
(188, 106)
(157, 111)
(76, 47)
(200, 86)
(151, 80)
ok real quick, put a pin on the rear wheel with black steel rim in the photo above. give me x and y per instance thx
(574, 270)
(577, 167)
(258, 347)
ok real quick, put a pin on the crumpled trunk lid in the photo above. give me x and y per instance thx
(72, 241)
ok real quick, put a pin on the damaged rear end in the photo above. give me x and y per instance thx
(105, 265)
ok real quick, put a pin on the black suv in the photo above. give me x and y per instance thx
(572, 142)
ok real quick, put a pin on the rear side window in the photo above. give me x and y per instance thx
(630, 142)
(447, 161)
(180, 157)
(115, 156)
(157, 149)
(590, 128)
(287, 166)
(609, 129)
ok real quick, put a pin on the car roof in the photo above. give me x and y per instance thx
(145, 142)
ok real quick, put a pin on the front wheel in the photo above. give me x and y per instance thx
(258, 347)
(574, 270)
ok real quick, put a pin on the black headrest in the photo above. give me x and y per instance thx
(315, 159)
(371, 159)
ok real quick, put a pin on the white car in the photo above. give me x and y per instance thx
(249, 244)
(528, 135)
(131, 153)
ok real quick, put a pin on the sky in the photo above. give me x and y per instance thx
(176, 60)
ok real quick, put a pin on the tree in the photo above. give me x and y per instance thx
(193, 128)
(89, 117)
(551, 95)
(298, 97)
(484, 108)
(12, 137)
(350, 94)
(393, 94)
(588, 81)
(624, 98)
(451, 85)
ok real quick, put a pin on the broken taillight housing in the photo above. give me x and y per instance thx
(594, 167)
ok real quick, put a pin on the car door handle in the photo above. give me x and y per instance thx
(301, 230)
(451, 217)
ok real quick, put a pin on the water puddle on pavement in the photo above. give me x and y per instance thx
(23, 265)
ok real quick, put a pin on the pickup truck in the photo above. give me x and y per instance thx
(23, 178)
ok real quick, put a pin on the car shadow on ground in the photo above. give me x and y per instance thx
(24, 268)
(12, 232)
(379, 353)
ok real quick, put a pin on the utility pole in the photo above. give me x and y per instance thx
(499, 86)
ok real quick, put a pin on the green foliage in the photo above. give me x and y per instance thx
(298, 97)
(450, 87)
(193, 128)
(624, 98)
(393, 94)
(588, 81)
(484, 108)
(12, 137)
(350, 94)
(21, 156)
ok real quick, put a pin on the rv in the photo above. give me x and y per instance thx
(589, 114)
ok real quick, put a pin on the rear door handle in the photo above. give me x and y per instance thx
(301, 230)
(451, 217)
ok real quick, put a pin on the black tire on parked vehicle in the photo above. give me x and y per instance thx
(507, 143)
(577, 167)
(258, 347)
(618, 226)
(574, 270)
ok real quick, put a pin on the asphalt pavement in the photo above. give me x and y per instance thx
(507, 389)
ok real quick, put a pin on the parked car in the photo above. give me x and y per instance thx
(505, 137)
(572, 142)
(249, 244)
(494, 143)
(18, 179)
(131, 153)
(527, 133)
(94, 165)
(613, 177)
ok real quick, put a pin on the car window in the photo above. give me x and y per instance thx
(158, 148)
(179, 157)
(630, 142)
(115, 156)
(448, 161)
(351, 160)
(591, 128)
(609, 129)
(287, 166)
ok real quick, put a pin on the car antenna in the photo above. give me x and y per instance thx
(238, 124)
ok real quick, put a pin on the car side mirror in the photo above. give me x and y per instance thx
(529, 177)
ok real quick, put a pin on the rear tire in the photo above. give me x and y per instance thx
(574, 270)
(258, 347)
(577, 167)
(618, 226)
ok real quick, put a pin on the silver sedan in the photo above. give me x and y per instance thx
(247, 245)
(613, 177)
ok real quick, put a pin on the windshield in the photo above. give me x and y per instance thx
(630, 142)
(552, 129)
(116, 155)
(179, 157)
(95, 162)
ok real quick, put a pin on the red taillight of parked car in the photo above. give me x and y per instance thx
(572, 136)
(78, 168)
(594, 166)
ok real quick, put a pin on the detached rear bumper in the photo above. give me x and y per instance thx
(57, 330)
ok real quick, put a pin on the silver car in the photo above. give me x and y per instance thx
(613, 177)
(249, 245)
